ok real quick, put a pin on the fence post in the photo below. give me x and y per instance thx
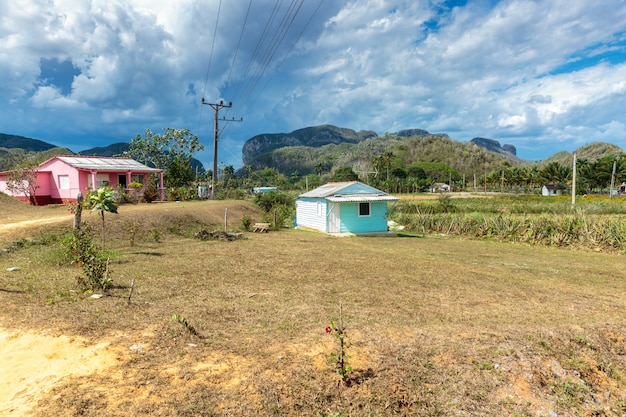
(78, 211)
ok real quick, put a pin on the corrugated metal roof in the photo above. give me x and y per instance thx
(352, 191)
(327, 189)
(354, 198)
(106, 164)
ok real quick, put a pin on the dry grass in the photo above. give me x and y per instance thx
(435, 326)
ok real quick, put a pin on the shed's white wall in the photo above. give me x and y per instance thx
(308, 215)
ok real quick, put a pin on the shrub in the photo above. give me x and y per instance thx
(81, 250)
(246, 222)
(279, 208)
(150, 193)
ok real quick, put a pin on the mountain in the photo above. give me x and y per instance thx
(314, 137)
(325, 147)
(115, 149)
(590, 152)
(21, 142)
(407, 133)
(494, 146)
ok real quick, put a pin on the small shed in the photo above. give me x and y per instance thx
(550, 190)
(440, 187)
(344, 208)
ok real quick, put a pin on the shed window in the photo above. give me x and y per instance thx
(319, 209)
(364, 209)
(64, 182)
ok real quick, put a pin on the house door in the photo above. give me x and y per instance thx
(334, 218)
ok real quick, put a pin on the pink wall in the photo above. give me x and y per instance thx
(55, 168)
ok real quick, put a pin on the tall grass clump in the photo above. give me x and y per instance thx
(573, 228)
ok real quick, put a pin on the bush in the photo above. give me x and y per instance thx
(279, 208)
(150, 193)
(81, 250)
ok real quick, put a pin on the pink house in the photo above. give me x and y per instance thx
(61, 178)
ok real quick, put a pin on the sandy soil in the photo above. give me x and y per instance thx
(35, 222)
(33, 363)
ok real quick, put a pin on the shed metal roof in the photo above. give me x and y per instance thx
(106, 164)
(360, 198)
(326, 189)
(352, 191)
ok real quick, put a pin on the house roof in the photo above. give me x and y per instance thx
(353, 191)
(105, 164)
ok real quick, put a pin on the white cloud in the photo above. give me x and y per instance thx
(519, 70)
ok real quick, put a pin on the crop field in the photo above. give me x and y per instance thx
(436, 323)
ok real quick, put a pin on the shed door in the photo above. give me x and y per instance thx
(334, 218)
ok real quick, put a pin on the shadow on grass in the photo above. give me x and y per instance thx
(408, 234)
(12, 291)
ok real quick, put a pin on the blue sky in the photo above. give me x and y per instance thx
(544, 76)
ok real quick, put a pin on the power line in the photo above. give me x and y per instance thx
(243, 28)
(217, 19)
(290, 49)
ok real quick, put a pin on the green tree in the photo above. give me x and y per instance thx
(101, 200)
(172, 151)
(555, 173)
(344, 174)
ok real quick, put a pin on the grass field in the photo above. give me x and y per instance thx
(436, 326)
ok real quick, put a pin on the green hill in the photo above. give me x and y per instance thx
(24, 143)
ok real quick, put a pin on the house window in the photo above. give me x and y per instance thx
(138, 178)
(64, 182)
(364, 209)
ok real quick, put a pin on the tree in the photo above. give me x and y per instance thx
(555, 173)
(319, 168)
(102, 199)
(23, 181)
(172, 151)
(344, 174)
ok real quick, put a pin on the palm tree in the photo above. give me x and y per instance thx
(102, 200)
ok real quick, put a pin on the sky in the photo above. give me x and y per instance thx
(544, 76)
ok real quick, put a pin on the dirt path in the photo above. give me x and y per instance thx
(33, 363)
(35, 222)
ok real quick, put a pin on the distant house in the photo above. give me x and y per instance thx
(344, 207)
(263, 190)
(550, 190)
(61, 178)
(440, 187)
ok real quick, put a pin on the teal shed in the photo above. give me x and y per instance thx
(344, 208)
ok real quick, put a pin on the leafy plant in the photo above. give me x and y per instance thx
(81, 250)
(246, 221)
(339, 358)
(102, 199)
(185, 323)
(132, 227)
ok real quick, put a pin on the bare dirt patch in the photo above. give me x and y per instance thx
(33, 363)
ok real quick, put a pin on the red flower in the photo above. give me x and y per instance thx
(328, 329)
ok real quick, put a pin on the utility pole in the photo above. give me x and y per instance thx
(613, 179)
(217, 107)
(574, 180)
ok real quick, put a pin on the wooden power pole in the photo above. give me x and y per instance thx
(217, 107)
